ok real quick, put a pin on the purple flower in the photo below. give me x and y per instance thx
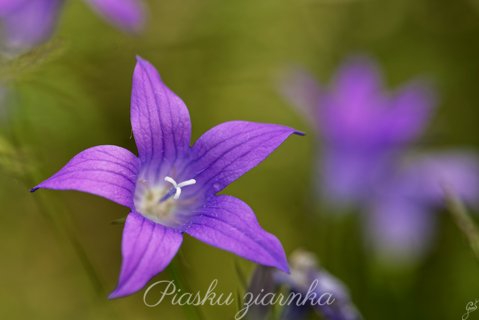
(27, 23)
(365, 135)
(402, 217)
(171, 187)
(361, 126)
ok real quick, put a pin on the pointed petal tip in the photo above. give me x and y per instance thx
(282, 263)
(284, 267)
(115, 294)
(145, 66)
(143, 63)
(291, 130)
(112, 296)
(299, 133)
(34, 189)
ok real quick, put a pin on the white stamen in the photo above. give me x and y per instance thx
(180, 185)
(187, 183)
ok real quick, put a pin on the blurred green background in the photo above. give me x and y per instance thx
(224, 58)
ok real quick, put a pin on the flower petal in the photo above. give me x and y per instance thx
(147, 248)
(160, 120)
(352, 111)
(106, 171)
(6, 6)
(30, 23)
(409, 112)
(358, 80)
(229, 150)
(126, 14)
(228, 223)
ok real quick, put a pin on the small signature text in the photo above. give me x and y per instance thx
(471, 306)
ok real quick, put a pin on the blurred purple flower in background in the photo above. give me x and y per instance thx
(364, 134)
(27, 23)
(361, 127)
(171, 187)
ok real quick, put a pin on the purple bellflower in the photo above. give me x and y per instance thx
(365, 136)
(170, 188)
(27, 23)
(361, 127)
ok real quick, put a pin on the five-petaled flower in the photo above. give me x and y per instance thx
(171, 187)
(26, 23)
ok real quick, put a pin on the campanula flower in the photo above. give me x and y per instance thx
(171, 187)
(361, 126)
(27, 23)
(365, 136)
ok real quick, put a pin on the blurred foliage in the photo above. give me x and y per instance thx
(224, 58)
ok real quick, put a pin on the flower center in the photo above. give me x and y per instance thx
(159, 202)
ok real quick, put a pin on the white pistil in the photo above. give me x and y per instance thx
(180, 185)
